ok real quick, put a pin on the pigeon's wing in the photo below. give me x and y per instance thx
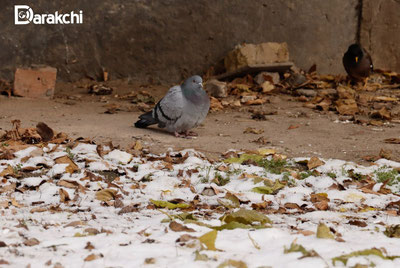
(169, 109)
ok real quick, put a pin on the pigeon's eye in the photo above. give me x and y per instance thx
(194, 81)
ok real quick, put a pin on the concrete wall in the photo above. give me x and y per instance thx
(380, 32)
(166, 40)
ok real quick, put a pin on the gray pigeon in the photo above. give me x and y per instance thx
(182, 108)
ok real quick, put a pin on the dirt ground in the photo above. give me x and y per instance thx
(294, 130)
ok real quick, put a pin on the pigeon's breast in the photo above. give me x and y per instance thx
(191, 117)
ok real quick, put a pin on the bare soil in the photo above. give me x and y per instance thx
(294, 130)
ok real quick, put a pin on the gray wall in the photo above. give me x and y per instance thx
(166, 40)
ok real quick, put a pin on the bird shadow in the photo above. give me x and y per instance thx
(163, 132)
(157, 130)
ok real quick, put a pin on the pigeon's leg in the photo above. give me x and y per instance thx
(191, 133)
(179, 135)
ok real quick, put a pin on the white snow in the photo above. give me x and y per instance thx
(71, 231)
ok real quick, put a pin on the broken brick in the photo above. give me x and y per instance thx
(35, 82)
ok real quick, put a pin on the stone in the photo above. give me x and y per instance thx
(267, 76)
(256, 54)
(216, 88)
(248, 98)
(35, 82)
(306, 92)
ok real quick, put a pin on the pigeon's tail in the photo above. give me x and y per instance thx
(146, 120)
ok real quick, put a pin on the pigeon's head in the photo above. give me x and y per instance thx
(193, 83)
(356, 53)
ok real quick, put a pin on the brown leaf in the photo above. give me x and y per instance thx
(320, 201)
(4, 262)
(215, 104)
(15, 203)
(312, 69)
(387, 154)
(323, 205)
(292, 206)
(100, 89)
(261, 140)
(138, 146)
(128, 209)
(177, 227)
(4, 204)
(89, 246)
(392, 140)
(185, 237)
(383, 113)
(93, 257)
(306, 232)
(293, 127)
(64, 196)
(346, 106)
(253, 130)
(346, 92)
(59, 138)
(75, 223)
(106, 194)
(71, 185)
(9, 171)
(314, 162)
(71, 168)
(45, 132)
(358, 223)
(256, 101)
(92, 231)
(262, 205)
(31, 242)
(38, 209)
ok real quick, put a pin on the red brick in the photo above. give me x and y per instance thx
(36, 82)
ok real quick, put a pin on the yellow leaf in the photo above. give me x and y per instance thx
(208, 240)
(265, 151)
(324, 232)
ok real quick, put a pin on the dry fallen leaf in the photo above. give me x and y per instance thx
(45, 132)
(64, 196)
(177, 227)
(387, 154)
(346, 106)
(71, 168)
(93, 257)
(31, 242)
(314, 162)
(392, 140)
(293, 127)
(215, 104)
(253, 130)
(106, 194)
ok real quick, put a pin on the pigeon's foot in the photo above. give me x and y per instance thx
(180, 135)
(191, 133)
(185, 134)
